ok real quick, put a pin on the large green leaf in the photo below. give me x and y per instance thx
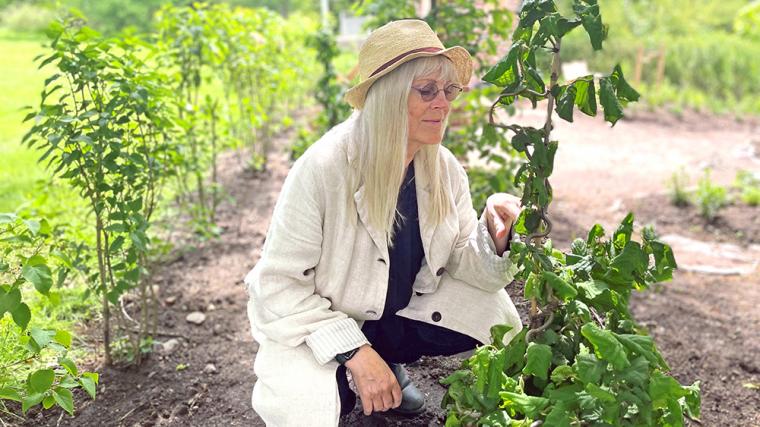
(589, 368)
(9, 300)
(497, 334)
(39, 275)
(623, 90)
(506, 72)
(562, 373)
(606, 346)
(563, 289)
(613, 111)
(537, 360)
(585, 96)
(31, 400)
(637, 374)
(565, 102)
(21, 315)
(643, 345)
(588, 11)
(89, 382)
(64, 399)
(531, 406)
(40, 380)
(9, 394)
(664, 389)
(533, 10)
(559, 416)
(41, 336)
(692, 402)
(592, 288)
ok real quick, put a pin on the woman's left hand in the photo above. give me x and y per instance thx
(502, 210)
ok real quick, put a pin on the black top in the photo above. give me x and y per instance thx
(407, 252)
(405, 261)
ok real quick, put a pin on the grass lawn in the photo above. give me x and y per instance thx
(20, 86)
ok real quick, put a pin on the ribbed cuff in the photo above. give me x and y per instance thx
(502, 266)
(337, 337)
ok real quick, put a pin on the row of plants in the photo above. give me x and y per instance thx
(582, 359)
(710, 197)
(134, 125)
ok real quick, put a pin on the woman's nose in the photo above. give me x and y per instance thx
(440, 100)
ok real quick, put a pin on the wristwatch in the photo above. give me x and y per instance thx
(342, 358)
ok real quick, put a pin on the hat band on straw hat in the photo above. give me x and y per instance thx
(400, 57)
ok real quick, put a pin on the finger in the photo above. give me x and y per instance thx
(508, 209)
(387, 400)
(496, 218)
(498, 222)
(377, 402)
(396, 392)
(366, 403)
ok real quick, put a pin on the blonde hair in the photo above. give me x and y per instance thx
(381, 134)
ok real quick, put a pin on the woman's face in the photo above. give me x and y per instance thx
(427, 118)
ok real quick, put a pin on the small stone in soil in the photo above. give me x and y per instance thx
(170, 346)
(196, 317)
(210, 369)
(210, 307)
(170, 300)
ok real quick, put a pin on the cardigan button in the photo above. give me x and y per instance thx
(439, 272)
(381, 260)
(418, 293)
(436, 316)
(371, 312)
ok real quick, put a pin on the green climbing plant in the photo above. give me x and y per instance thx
(582, 359)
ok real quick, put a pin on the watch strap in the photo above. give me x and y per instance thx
(342, 358)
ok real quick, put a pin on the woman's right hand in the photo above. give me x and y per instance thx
(378, 388)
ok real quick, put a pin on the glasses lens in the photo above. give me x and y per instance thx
(452, 92)
(429, 92)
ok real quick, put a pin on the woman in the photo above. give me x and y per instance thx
(374, 256)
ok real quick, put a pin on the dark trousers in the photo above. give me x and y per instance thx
(400, 340)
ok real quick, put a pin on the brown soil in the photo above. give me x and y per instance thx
(707, 327)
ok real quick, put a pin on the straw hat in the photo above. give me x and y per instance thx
(398, 42)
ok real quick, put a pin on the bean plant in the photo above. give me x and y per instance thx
(582, 359)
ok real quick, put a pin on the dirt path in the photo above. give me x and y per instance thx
(708, 327)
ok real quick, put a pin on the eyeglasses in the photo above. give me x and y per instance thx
(430, 91)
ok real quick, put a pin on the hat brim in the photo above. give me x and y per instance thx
(457, 54)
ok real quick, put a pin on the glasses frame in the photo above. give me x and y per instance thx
(428, 96)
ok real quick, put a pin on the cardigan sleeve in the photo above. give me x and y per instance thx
(286, 308)
(473, 258)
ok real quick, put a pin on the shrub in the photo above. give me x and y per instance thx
(709, 197)
(749, 187)
(26, 18)
(677, 188)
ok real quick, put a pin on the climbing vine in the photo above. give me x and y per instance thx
(582, 359)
